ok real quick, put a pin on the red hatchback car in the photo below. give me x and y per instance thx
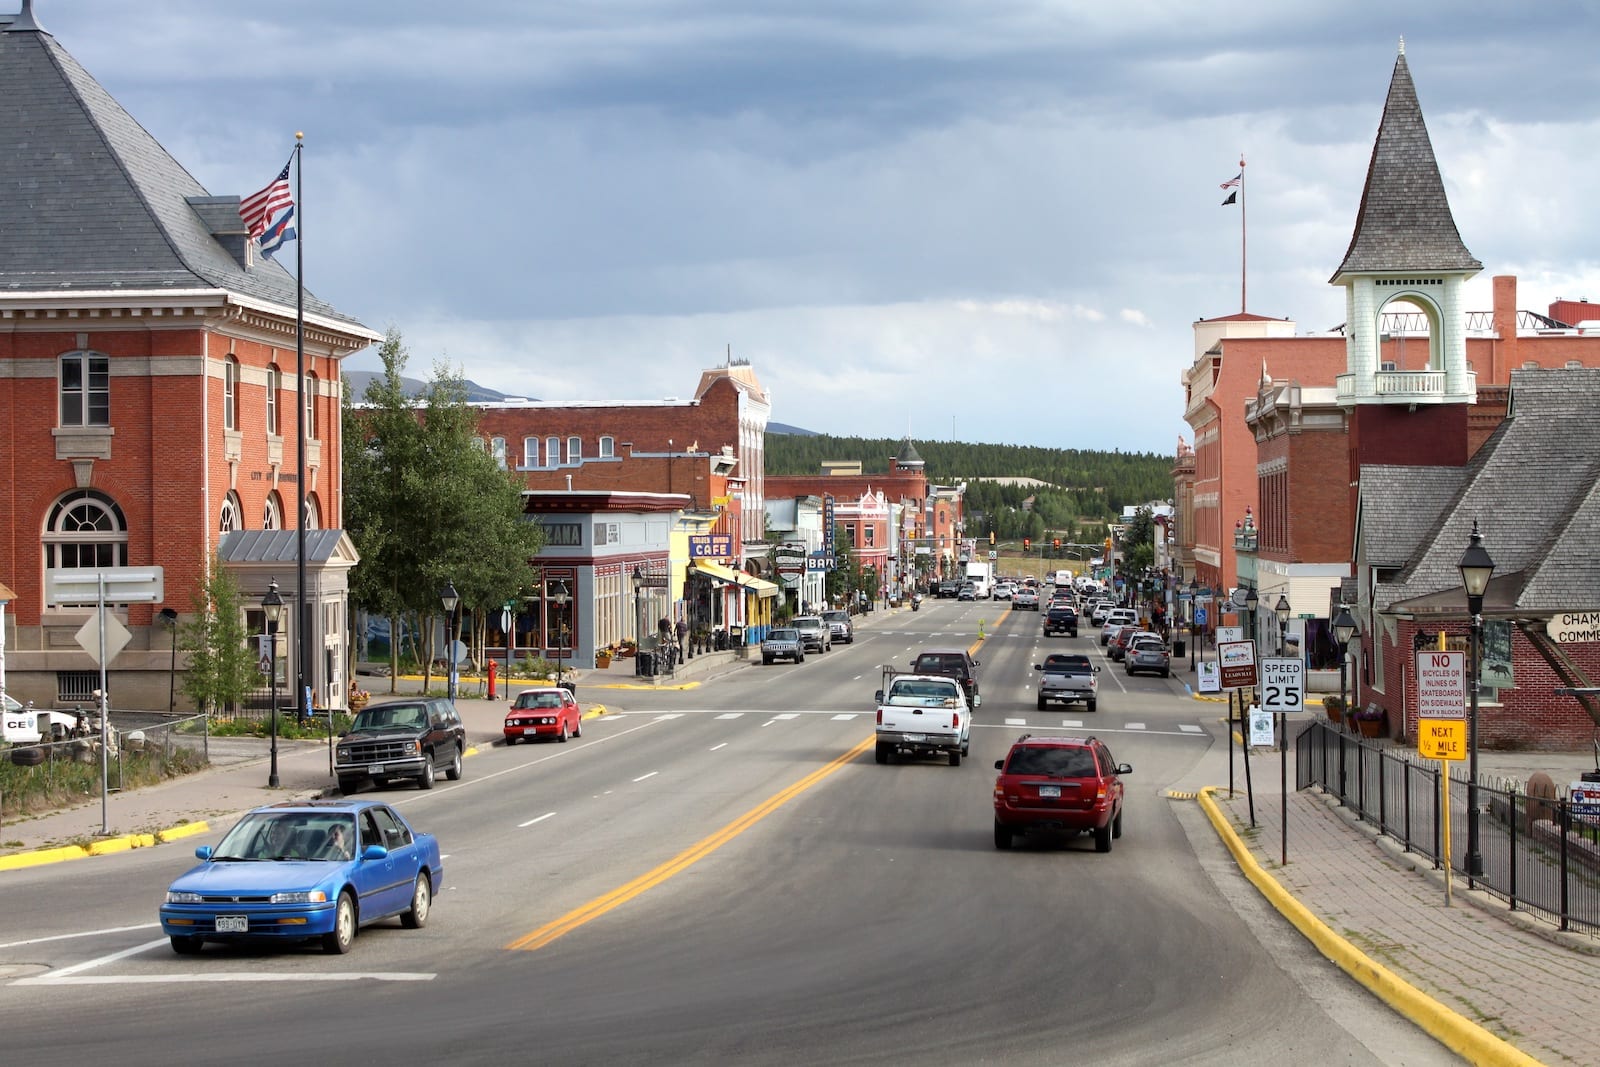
(1059, 783)
(547, 712)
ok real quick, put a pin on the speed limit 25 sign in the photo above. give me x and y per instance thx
(1283, 685)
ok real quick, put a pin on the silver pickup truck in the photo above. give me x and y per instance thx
(1069, 678)
(923, 714)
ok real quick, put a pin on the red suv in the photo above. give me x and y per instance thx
(1059, 783)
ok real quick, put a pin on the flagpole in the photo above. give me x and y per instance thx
(303, 613)
(1244, 250)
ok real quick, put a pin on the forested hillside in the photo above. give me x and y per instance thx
(1084, 489)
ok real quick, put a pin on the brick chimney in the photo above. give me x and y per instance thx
(1505, 327)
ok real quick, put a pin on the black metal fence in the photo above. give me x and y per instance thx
(1538, 853)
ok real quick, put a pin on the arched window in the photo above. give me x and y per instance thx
(86, 529)
(608, 447)
(497, 449)
(272, 513)
(530, 451)
(230, 394)
(477, 442)
(274, 383)
(574, 449)
(552, 451)
(85, 389)
(313, 514)
(232, 514)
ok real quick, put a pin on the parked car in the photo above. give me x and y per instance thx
(1025, 600)
(1059, 783)
(547, 712)
(401, 740)
(1114, 620)
(968, 592)
(1148, 656)
(815, 634)
(1117, 645)
(840, 627)
(782, 643)
(307, 870)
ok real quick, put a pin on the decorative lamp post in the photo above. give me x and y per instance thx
(1344, 629)
(638, 616)
(450, 600)
(272, 608)
(559, 593)
(1282, 612)
(1476, 569)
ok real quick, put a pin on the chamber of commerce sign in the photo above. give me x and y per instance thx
(1573, 627)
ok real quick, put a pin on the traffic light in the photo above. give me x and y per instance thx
(1027, 543)
(1108, 548)
(1056, 543)
(991, 537)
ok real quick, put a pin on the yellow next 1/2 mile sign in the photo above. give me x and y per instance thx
(1444, 739)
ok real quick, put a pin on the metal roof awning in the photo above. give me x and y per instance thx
(729, 576)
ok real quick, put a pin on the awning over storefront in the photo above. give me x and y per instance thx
(728, 576)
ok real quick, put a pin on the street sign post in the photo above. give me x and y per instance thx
(1442, 705)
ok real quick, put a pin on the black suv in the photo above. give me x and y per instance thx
(401, 739)
(1061, 618)
(954, 662)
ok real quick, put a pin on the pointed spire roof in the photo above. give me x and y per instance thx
(1405, 221)
(96, 204)
(908, 456)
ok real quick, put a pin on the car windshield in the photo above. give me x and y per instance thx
(273, 836)
(837, 616)
(539, 700)
(1052, 762)
(390, 717)
(783, 635)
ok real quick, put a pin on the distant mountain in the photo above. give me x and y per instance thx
(783, 427)
(476, 394)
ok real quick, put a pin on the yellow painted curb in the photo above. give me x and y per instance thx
(39, 857)
(188, 829)
(124, 843)
(1456, 1032)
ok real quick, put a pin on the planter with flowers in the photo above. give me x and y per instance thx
(627, 648)
(1369, 720)
(1334, 706)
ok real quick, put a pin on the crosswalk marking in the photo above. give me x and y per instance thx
(732, 715)
(1189, 728)
(787, 715)
(845, 717)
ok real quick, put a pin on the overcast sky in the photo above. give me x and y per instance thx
(995, 220)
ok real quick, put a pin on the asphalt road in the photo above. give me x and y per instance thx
(723, 874)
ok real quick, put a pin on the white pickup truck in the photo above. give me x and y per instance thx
(923, 714)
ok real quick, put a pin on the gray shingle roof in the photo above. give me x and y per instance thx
(93, 202)
(1400, 506)
(1404, 222)
(908, 455)
(277, 546)
(1532, 488)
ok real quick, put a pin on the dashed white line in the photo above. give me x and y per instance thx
(1134, 726)
(786, 715)
(530, 822)
(731, 715)
(642, 777)
(713, 748)
(844, 717)
(1016, 722)
(1190, 728)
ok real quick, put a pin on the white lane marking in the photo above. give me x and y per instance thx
(530, 822)
(787, 715)
(731, 715)
(176, 979)
(642, 777)
(1076, 724)
(844, 717)
(1136, 726)
(668, 715)
(713, 748)
(1016, 722)
(85, 933)
(68, 972)
(1190, 728)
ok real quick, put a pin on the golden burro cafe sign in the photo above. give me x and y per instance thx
(1573, 627)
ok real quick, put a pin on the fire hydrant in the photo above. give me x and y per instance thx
(491, 680)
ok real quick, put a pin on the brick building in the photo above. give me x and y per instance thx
(148, 397)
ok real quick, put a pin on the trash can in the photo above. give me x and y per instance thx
(646, 662)
(1179, 649)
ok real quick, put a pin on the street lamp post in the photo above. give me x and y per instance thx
(638, 617)
(1476, 569)
(451, 600)
(272, 608)
(1281, 610)
(561, 597)
(1344, 629)
(1252, 601)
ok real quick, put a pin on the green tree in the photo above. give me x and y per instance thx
(426, 504)
(222, 659)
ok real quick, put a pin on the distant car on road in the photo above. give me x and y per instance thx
(1147, 655)
(1025, 600)
(840, 626)
(782, 643)
(968, 592)
(814, 632)
(306, 870)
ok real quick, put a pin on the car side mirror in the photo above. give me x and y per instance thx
(1124, 768)
(977, 663)
(1097, 670)
(203, 852)
(999, 764)
(877, 698)
(1038, 666)
(374, 852)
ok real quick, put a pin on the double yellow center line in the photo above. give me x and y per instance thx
(682, 861)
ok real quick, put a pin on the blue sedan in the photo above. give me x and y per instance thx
(305, 870)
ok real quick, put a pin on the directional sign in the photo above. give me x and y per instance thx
(1442, 739)
(116, 637)
(1283, 685)
(1238, 663)
(123, 585)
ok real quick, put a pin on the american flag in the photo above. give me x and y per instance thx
(1229, 184)
(267, 214)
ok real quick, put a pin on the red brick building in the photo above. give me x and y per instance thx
(148, 395)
